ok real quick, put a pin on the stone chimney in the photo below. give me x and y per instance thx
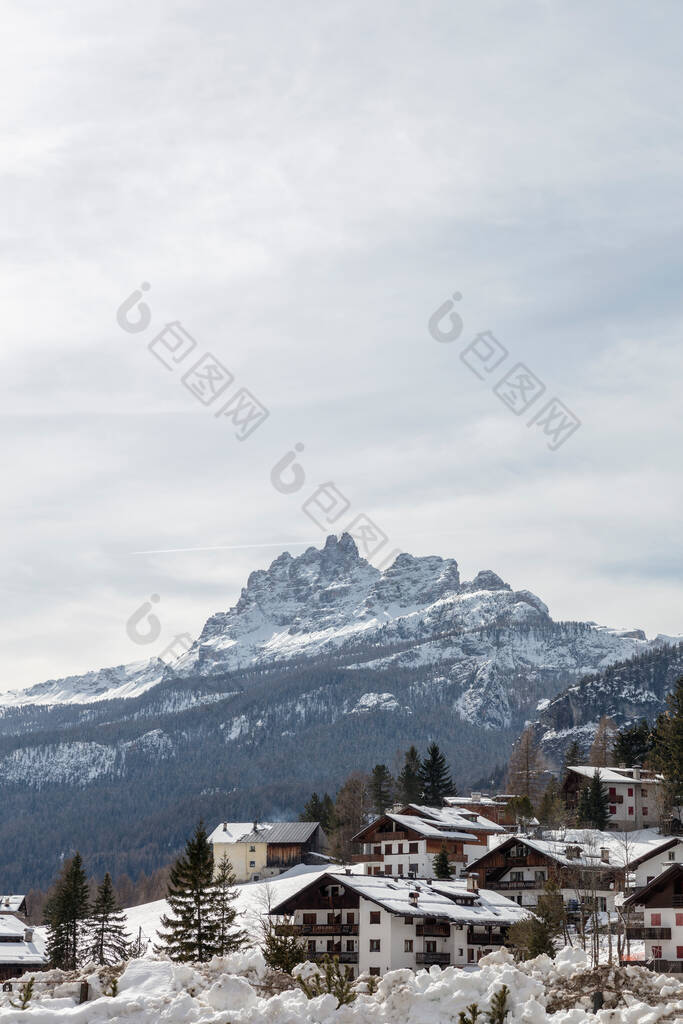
(413, 897)
(472, 882)
(225, 826)
(28, 934)
(636, 773)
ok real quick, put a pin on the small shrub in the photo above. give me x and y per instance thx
(25, 995)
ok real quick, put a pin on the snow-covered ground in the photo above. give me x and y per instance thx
(240, 990)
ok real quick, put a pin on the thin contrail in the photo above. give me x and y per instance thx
(225, 547)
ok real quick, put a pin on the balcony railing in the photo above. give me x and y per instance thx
(342, 957)
(433, 958)
(388, 837)
(479, 939)
(511, 884)
(678, 900)
(433, 930)
(639, 932)
(316, 929)
(666, 966)
(361, 858)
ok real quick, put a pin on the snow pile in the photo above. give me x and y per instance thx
(241, 990)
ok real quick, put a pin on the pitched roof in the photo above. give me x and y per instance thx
(613, 776)
(666, 844)
(265, 832)
(458, 818)
(14, 949)
(661, 881)
(589, 855)
(11, 904)
(436, 899)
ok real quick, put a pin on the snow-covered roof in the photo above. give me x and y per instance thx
(429, 829)
(614, 776)
(11, 904)
(436, 899)
(14, 949)
(265, 832)
(623, 847)
(479, 801)
(451, 816)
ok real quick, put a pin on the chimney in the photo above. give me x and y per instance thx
(636, 773)
(347, 871)
(622, 764)
(225, 826)
(476, 796)
(604, 854)
(413, 897)
(472, 882)
(255, 825)
(28, 934)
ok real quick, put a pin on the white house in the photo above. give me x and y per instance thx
(20, 948)
(377, 924)
(662, 928)
(261, 850)
(633, 794)
(405, 842)
(645, 868)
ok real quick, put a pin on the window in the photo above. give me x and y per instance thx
(412, 868)
(333, 918)
(408, 946)
(656, 952)
(412, 847)
(309, 918)
(630, 810)
(612, 792)
(377, 849)
(655, 920)
(539, 876)
(375, 916)
(399, 869)
(679, 920)
(350, 917)
(350, 946)
(388, 869)
(407, 920)
(643, 792)
(252, 863)
(377, 871)
(644, 810)
(516, 876)
(388, 849)
(399, 848)
(672, 855)
(330, 945)
(613, 808)
(679, 952)
(311, 945)
(630, 790)
(460, 952)
(374, 945)
(430, 946)
(252, 849)
(374, 971)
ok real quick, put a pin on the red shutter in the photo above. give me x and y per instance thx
(656, 920)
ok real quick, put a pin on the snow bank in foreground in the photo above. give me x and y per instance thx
(238, 990)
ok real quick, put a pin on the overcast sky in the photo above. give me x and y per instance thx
(303, 185)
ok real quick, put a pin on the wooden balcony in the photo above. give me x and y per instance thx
(433, 958)
(342, 957)
(665, 966)
(389, 837)
(678, 900)
(433, 930)
(522, 884)
(482, 939)
(316, 929)
(370, 858)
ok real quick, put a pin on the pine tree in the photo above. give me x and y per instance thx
(633, 744)
(442, 866)
(191, 931)
(283, 952)
(667, 751)
(526, 767)
(66, 912)
(381, 786)
(229, 939)
(435, 777)
(573, 755)
(593, 809)
(583, 808)
(313, 809)
(109, 942)
(408, 785)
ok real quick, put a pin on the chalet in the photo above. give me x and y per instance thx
(494, 808)
(19, 950)
(645, 868)
(521, 867)
(374, 925)
(405, 842)
(259, 851)
(13, 905)
(633, 794)
(662, 928)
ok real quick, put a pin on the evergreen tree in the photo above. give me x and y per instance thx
(283, 952)
(381, 786)
(633, 744)
(350, 814)
(191, 930)
(319, 809)
(109, 942)
(442, 866)
(328, 821)
(408, 785)
(573, 755)
(66, 912)
(535, 935)
(229, 939)
(435, 778)
(667, 751)
(593, 809)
